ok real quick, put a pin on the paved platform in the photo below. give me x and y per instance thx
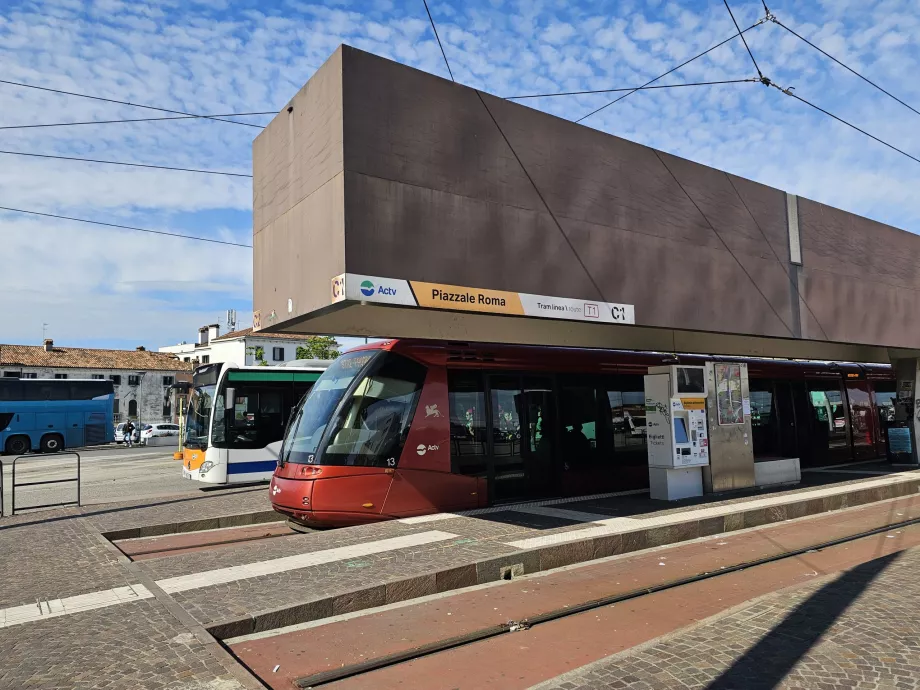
(350, 643)
(66, 583)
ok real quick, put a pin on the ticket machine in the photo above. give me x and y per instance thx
(677, 431)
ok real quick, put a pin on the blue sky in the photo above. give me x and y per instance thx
(99, 287)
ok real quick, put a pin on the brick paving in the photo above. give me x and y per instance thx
(141, 645)
(196, 505)
(151, 643)
(640, 506)
(858, 630)
(254, 551)
(54, 559)
(59, 553)
(318, 584)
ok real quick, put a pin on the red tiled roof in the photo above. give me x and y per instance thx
(89, 358)
(248, 331)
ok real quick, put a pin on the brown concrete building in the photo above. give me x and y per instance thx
(378, 170)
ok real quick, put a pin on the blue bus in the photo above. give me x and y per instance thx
(49, 415)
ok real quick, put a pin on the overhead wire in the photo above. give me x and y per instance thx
(521, 164)
(136, 119)
(435, 30)
(128, 103)
(743, 39)
(630, 88)
(673, 69)
(125, 227)
(789, 92)
(846, 67)
(123, 163)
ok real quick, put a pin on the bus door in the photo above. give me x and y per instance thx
(522, 443)
(862, 422)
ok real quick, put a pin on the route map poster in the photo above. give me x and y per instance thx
(728, 394)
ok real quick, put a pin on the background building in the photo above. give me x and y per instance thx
(142, 378)
(240, 347)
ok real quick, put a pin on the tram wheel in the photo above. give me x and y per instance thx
(297, 527)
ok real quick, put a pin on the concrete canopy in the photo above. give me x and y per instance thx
(379, 174)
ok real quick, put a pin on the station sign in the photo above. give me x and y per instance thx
(414, 293)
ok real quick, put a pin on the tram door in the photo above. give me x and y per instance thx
(883, 397)
(789, 430)
(862, 420)
(829, 430)
(523, 434)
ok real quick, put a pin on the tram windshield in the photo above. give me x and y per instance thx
(351, 420)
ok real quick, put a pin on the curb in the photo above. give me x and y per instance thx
(239, 520)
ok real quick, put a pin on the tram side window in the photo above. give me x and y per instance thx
(468, 430)
(578, 408)
(506, 418)
(627, 418)
(829, 420)
(885, 395)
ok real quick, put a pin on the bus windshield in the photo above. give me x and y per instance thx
(369, 416)
(200, 403)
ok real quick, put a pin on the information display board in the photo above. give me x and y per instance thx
(900, 446)
(728, 394)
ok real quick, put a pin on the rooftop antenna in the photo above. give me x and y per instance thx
(44, 329)
(231, 320)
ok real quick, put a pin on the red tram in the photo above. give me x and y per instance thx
(410, 427)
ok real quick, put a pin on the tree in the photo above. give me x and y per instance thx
(259, 353)
(319, 347)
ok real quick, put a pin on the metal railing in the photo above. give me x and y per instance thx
(14, 485)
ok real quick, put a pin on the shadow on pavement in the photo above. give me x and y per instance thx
(768, 662)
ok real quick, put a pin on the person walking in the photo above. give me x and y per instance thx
(129, 434)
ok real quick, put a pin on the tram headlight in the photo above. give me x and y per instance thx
(206, 467)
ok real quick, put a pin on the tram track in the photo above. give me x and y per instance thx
(458, 642)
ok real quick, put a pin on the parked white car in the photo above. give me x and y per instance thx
(120, 433)
(159, 434)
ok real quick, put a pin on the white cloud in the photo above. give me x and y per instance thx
(558, 33)
(648, 31)
(214, 57)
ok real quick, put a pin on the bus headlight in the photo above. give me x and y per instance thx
(206, 467)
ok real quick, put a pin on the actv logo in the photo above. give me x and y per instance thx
(422, 448)
(367, 288)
